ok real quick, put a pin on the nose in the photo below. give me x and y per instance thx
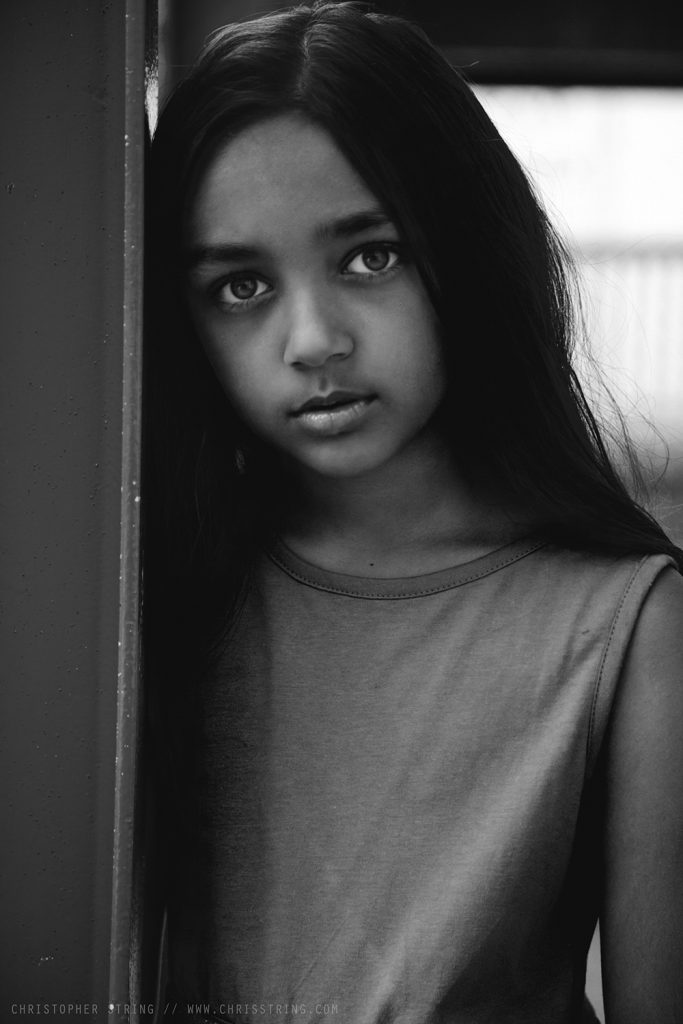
(315, 331)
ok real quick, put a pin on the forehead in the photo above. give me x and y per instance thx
(284, 173)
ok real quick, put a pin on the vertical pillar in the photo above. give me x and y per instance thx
(71, 82)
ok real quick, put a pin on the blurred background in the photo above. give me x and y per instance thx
(589, 96)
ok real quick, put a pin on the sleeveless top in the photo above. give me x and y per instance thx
(399, 797)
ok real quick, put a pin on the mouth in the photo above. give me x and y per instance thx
(332, 400)
(333, 413)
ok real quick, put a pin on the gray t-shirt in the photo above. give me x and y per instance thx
(398, 815)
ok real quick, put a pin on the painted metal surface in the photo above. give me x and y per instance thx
(70, 295)
(129, 703)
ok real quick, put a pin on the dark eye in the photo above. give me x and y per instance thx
(239, 291)
(245, 289)
(372, 260)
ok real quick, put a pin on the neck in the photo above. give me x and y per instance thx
(402, 519)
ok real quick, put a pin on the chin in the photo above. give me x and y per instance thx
(345, 466)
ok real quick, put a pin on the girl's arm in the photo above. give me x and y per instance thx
(642, 915)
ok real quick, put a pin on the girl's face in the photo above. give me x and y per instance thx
(308, 305)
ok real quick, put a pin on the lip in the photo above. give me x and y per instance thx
(331, 398)
(336, 413)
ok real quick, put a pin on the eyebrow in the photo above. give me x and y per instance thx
(224, 252)
(353, 224)
(236, 252)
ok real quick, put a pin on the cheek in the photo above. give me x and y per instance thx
(419, 359)
(226, 356)
(223, 365)
(235, 358)
(245, 384)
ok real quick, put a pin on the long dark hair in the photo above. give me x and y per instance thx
(500, 282)
(498, 277)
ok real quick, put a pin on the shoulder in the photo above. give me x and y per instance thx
(650, 688)
(642, 915)
(647, 717)
(595, 567)
(658, 633)
(610, 590)
(645, 735)
(632, 593)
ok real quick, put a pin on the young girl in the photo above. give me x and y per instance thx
(414, 653)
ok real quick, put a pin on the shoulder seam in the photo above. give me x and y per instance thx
(603, 660)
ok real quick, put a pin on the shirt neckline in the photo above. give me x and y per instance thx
(396, 588)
